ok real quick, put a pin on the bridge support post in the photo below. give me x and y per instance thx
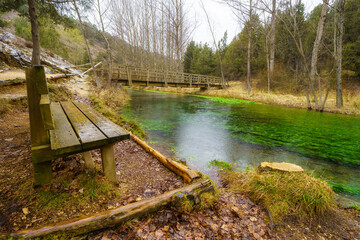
(207, 82)
(128, 72)
(147, 78)
(166, 79)
(190, 80)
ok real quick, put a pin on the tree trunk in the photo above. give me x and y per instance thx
(34, 33)
(249, 49)
(340, 32)
(87, 45)
(108, 48)
(272, 41)
(315, 51)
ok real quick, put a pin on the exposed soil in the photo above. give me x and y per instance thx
(74, 191)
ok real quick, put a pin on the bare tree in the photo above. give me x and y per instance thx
(157, 31)
(86, 43)
(339, 10)
(34, 33)
(101, 15)
(216, 46)
(244, 11)
(315, 52)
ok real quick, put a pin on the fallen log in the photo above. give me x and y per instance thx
(8, 82)
(92, 68)
(185, 172)
(60, 76)
(119, 215)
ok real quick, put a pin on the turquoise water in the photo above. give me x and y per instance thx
(246, 133)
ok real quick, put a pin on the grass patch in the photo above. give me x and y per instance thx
(356, 207)
(283, 193)
(221, 164)
(227, 100)
(4, 107)
(207, 200)
(68, 195)
(59, 93)
(109, 102)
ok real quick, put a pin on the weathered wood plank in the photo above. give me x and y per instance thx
(63, 138)
(110, 129)
(90, 136)
(46, 112)
(39, 135)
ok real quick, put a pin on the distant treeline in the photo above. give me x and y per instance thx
(204, 59)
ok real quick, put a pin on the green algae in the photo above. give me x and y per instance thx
(227, 100)
(339, 188)
(246, 134)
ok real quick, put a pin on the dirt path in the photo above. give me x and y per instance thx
(80, 87)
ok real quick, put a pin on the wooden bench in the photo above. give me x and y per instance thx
(66, 128)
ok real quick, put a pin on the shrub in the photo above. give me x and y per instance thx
(22, 28)
(284, 193)
(4, 23)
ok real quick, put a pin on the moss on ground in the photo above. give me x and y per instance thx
(283, 193)
(221, 165)
(4, 107)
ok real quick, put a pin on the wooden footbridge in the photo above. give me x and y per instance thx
(130, 75)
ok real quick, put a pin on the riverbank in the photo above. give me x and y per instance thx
(236, 216)
(237, 90)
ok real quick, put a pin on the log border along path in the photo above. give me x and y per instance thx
(132, 75)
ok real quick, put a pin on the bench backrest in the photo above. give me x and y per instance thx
(39, 105)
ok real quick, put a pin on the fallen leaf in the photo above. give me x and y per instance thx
(26, 211)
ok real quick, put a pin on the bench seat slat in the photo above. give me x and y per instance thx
(63, 139)
(110, 129)
(90, 136)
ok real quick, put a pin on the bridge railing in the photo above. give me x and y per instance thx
(157, 75)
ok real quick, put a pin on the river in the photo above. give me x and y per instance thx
(246, 133)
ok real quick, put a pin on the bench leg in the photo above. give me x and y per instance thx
(108, 162)
(42, 173)
(89, 162)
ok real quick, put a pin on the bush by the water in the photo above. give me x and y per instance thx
(283, 193)
(109, 102)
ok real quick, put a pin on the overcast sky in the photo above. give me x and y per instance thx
(222, 19)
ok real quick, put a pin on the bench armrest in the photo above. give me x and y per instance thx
(46, 112)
